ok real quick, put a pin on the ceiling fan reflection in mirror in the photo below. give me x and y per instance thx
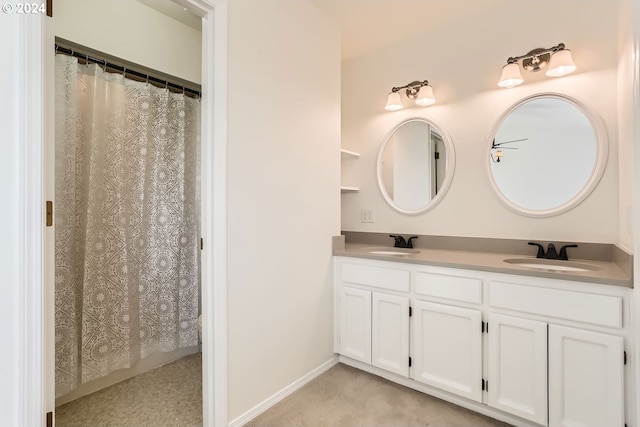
(496, 155)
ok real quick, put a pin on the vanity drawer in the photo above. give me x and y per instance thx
(455, 288)
(602, 310)
(380, 277)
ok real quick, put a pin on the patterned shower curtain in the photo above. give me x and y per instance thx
(127, 222)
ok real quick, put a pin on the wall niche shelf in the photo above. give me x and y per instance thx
(348, 155)
(344, 190)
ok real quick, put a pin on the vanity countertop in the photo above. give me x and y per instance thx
(606, 272)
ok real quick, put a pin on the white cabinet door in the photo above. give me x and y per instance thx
(355, 324)
(517, 377)
(390, 333)
(448, 348)
(585, 378)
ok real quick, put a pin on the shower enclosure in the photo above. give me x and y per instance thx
(127, 222)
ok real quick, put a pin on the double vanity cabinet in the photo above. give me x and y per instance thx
(530, 351)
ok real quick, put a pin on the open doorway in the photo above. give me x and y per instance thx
(127, 229)
(212, 143)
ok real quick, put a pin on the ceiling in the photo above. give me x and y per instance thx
(175, 11)
(368, 25)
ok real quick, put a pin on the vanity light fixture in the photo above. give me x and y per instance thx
(420, 92)
(556, 59)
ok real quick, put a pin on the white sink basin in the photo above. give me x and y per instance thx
(551, 264)
(392, 251)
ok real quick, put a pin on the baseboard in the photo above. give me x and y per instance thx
(269, 402)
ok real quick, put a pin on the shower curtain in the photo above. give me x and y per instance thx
(127, 222)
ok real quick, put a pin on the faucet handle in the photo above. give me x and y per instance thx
(540, 249)
(409, 241)
(563, 252)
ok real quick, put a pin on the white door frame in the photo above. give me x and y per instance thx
(35, 103)
(214, 208)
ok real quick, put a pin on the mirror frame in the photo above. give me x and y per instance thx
(602, 153)
(448, 178)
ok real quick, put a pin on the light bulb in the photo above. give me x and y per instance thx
(561, 64)
(425, 96)
(394, 102)
(510, 76)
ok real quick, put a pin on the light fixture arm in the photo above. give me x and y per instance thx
(536, 59)
(536, 52)
(412, 88)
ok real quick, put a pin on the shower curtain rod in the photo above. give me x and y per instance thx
(126, 71)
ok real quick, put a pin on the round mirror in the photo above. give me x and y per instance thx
(546, 155)
(415, 166)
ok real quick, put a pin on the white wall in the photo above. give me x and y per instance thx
(130, 30)
(283, 198)
(11, 277)
(463, 62)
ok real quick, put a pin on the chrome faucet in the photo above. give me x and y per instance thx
(551, 251)
(400, 242)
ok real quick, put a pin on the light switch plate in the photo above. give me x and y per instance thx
(367, 215)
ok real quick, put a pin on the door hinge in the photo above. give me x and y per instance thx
(624, 353)
(409, 361)
(410, 312)
(484, 384)
(49, 208)
(436, 155)
(50, 8)
(201, 243)
(49, 419)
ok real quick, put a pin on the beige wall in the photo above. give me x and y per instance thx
(283, 198)
(463, 62)
(130, 30)
(626, 91)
